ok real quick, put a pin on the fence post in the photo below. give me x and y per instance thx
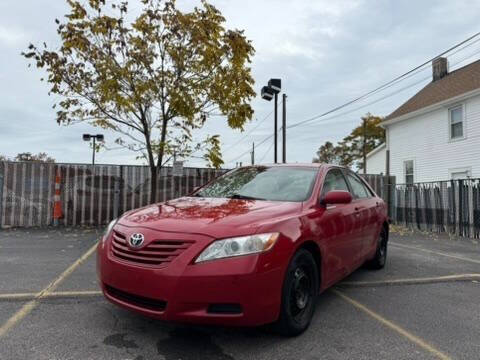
(118, 194)
(391, 195)
(471, 218)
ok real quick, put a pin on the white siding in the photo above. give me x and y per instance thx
(376, 162)
(425, 140)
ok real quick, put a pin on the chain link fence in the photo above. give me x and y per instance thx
(89, 195)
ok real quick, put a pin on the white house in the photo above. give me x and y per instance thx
(435, 135)
(376, 160)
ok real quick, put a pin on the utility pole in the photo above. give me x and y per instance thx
(275, 128)
(284, 128)
(253, 153)
(364, 145)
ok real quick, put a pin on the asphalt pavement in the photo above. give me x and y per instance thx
(423, 305)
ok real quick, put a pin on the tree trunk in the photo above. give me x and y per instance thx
(151, 160)
(161, 150)
(153, 183)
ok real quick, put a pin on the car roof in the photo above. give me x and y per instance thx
(303, 165)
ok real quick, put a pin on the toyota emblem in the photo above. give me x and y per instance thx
(136, 240)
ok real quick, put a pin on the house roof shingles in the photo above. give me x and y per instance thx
(456, 83)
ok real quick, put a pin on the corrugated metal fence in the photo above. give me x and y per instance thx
(94, 196)
(89, 196)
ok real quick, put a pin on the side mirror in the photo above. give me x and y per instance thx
(336, 197)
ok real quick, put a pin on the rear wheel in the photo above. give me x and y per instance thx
(299, 294)
(378, 262)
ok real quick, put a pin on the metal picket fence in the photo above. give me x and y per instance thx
(89, 195)
(451, 206)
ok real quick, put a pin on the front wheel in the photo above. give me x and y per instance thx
(378, 262)
(299, 294)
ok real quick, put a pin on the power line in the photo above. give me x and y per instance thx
(360, 107)
(395, 80)
(377, 100)
(388, 84)
(334, 116)
(253, 129)
(248, 151)
(266, 153)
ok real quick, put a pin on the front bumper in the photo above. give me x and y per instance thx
(241, 291)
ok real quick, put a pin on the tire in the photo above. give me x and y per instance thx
(299, 294)
(380, 258)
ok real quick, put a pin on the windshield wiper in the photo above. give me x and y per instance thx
(244, 197)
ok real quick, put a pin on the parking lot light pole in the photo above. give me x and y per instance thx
(268, 93)
(88, 137)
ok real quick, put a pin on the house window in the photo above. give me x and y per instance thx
(460, 173)
(456, 122)
(408, 169)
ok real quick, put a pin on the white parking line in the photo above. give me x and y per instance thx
(28, 307)
(413, 338)
(57, 294)
(412, 281)
(435, 252)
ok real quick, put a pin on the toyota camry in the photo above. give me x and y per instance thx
(252, 247)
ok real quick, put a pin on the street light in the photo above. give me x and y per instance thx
(88, 137)
(268, 93)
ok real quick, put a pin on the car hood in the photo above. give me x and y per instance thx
(215, 217)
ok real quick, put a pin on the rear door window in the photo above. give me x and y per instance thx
(359, 190)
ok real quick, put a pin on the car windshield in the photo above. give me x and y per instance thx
(263, 183)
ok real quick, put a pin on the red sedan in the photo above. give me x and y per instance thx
(252, 247)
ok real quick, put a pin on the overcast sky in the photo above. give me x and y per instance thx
(326, 53)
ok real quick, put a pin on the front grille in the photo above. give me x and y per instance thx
(157, 253)
(140, 301)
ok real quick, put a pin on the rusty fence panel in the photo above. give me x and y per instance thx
(89, 195)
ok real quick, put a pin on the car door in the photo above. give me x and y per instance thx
(337, 230)
(365, 211)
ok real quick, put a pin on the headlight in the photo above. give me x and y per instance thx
(238, 246)
(108, 230)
